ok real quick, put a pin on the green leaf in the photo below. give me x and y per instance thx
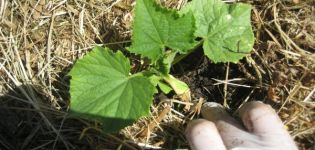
(156, 28)
(164, 64)
(225, 29)
(102, 88)
(180, 87)
(164, 87)
(154, 79)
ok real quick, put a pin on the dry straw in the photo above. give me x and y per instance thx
(41, 39)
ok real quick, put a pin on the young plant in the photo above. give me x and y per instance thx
(102, 87)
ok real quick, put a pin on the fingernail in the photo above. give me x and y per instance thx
(212, 105)
(213, 111)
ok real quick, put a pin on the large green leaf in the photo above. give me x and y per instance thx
(103, 89)
(225, 29)
(156, 28)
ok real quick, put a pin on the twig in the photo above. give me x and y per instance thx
(291, 94)
(225, 104)
(308, 97)
(48, 56)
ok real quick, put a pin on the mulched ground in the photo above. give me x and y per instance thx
(40, 40)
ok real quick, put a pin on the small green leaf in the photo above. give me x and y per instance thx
(180, 87)
(164, 64)
(154, 79)
(164, 87)
(102, 89)
(156, 28)
(225, 29)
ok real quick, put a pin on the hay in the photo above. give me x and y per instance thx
(40, 40)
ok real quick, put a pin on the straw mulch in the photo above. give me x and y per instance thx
(40, 40)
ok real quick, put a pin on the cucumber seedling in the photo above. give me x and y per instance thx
(102, 87)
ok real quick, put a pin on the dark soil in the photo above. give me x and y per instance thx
(200, 73)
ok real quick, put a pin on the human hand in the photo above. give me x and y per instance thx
(261, 129)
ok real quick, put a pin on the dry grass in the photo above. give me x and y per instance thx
(40, 40)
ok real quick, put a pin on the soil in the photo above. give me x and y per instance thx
(200, 73)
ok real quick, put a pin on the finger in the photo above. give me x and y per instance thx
(260, 118)
(203, 135)
(263, 121)
(232, 132)
(216, 113)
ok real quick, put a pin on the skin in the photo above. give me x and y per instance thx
(260, 129)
